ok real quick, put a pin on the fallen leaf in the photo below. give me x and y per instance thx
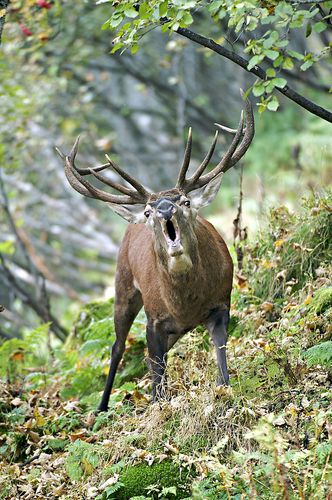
(267, 306)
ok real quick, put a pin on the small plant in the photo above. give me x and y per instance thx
(320, 354)
(82, 459)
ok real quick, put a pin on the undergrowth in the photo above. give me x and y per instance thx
(267, 437)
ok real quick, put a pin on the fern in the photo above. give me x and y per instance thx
(320, 354)
(82, 459)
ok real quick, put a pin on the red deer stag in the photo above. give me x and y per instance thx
(171, 261)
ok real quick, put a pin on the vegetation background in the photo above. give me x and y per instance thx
(130, 77)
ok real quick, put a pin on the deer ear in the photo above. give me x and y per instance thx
(132, 213)
(206, 194)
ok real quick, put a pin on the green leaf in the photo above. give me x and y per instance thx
(307, 64)
(308, 30)
(163, 7)
(295, 54)
(258, 89)
(270, 72)
(255, 60)
(288, 63)
(7, 247)
(279, 82)
(131, 12)
(134, 48)
(187, 19)
(272, 54)
(116, 47)
(143, 10)
(319, 27)
(278, 61)
(273, 105)
(115, 20)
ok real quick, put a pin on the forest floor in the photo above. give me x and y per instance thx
(268, 436)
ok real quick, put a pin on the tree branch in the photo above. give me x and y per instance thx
(257, 71)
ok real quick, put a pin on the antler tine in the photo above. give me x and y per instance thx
(139, 187)
(186, 160)
(198, 172)
(77, 181)
(225, 159)
(227, 129)
(113, 184)
(239, 145)
(91, 170)
(84, 187)
(249, 133)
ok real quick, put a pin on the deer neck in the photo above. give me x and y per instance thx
(182, 264)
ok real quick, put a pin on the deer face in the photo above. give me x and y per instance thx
(171, 216)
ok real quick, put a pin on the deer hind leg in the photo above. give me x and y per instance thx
(157, 341)
(126, 310)
(217, 325)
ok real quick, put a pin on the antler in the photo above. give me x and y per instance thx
(75, 177)
(240, 143)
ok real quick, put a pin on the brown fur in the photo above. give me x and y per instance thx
(187, 299)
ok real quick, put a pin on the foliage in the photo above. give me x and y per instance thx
(294, 247)
(269, 28)
(269, 433)
(320, 354)
(16, 354)
(82, 459)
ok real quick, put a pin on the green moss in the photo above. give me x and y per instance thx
(137, 480)
(322, 300)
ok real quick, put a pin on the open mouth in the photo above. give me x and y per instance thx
(172, 233)
(171, 230)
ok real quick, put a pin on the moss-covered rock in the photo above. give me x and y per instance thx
(138, 479)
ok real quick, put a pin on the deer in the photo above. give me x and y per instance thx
(171, 261)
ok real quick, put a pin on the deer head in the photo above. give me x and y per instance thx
(169, 214)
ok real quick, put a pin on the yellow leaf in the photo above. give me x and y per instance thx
(267, 306)
(40, 421)
(308, 299)
(2, 13)
(279, 243)
(87, 467)
(267, 264)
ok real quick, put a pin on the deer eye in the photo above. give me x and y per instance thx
(147, 213)
(187, 203)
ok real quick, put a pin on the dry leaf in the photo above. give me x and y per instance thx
(267, 306)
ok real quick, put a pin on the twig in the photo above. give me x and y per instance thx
(239, 234)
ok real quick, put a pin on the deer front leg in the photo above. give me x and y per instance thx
(217, 325)
(157, 341)
(125, 312)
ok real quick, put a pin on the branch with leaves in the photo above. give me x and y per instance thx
(268, 28)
